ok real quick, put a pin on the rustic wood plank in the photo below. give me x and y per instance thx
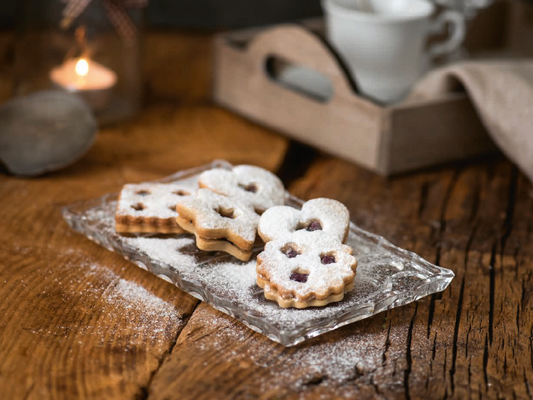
(77, 321)
(473, 340)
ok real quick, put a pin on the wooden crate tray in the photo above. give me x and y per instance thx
(250, 79)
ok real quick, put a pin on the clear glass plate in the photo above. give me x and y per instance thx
(387, 276)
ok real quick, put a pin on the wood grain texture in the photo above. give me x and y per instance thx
(77, 321)
(471, 341)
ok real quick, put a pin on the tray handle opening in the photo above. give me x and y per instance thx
(294, 45)
(298, 78)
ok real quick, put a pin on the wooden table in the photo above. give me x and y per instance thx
(78, 321)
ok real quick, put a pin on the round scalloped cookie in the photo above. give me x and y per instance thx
(304, 268)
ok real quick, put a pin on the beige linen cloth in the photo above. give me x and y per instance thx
(502, 93)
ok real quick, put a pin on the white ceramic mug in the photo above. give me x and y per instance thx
(383, 41)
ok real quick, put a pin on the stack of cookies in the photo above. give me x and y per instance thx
(304, 262)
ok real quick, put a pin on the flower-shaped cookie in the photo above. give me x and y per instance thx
(253, 185)
(219, 223)
(305, 269)
(327, 215)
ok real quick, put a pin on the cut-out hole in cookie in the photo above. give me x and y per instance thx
(299, 276)
(172, 208)
(290, 250)
(310, 226)
(314, 226)
(138, 207)
(226, 213)
(251, 187)
(327, 259)
(142, 192)
(181, 193)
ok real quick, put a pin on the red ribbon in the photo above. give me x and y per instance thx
(116, 11)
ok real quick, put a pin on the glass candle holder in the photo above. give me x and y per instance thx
(90, 48)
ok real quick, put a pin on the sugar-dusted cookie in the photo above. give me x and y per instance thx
(253, 185)
(305, 269)
(327, 215)
(219, 223)
(150, 207)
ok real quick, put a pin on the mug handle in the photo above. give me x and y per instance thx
(458, 32)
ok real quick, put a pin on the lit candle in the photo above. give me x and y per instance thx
(88, 78)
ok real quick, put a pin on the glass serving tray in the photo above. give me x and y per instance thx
(387, 276)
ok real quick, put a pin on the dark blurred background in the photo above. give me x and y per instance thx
(205, 14)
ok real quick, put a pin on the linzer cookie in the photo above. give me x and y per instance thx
(249, 184)
(150, 208)
(327, 215)
(306, 269)
(219, 223)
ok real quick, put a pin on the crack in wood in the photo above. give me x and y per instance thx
(528, 387)
(387, 345)
(29, 392)
(316, 380)
(456, 334)
(505, 366)
(523, 295)
(430, 317)
(492, 278)
(144, 391)
(444, 369)
(469, 371)
(375, 386)
(408, 355)
(531, 345)
(467, 253)
(475, 201)
(518, 319)
(515, 258)
(424, 191)
(434, 349)
(468, 337)
(507, 226)
(438, 244)
(486, 362)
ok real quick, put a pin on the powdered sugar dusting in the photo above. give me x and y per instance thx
(110, 305)
(143, 310)
(250, 184)
(130, 296)
(156, 200)
(335, 363)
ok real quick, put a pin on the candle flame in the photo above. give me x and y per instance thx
(82, 67)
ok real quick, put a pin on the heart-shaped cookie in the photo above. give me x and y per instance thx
(327, 215)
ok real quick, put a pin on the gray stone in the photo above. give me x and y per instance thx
(44, 132)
